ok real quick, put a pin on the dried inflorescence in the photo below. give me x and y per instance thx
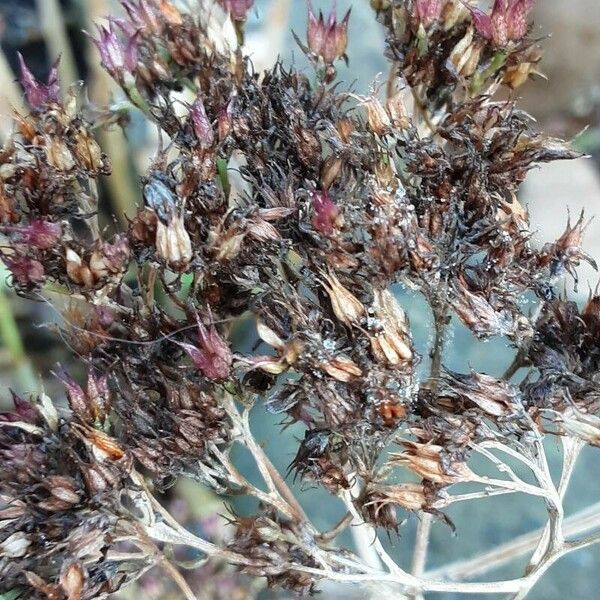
(299, 205)
(62, 487)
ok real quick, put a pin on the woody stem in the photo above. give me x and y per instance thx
(440, 316)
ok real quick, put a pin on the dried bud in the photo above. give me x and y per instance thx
(327, 40)
(409, 496)
(426, 460)
(78, 271)
(105, 447)
(72, 579)
(377, 117)
(480, 316)
(396, 109)
(341, 368)
(58, 154)
(326, 215)
(579, 424)
(225, 121)
(566, 252)
(38, 94)
(110, 258)
(261, 230)
(173, 243)
(330, 171)
(391, 340)
(78, 401)
(201, 125)
(466, 54)
(88, 152)
(494, 397)
(213, 357)
(15, 545)
(347, 307)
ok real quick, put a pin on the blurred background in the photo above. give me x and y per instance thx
(567, 104)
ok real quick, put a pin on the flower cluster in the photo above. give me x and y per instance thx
(297, 205)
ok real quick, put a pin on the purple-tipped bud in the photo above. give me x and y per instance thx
(201, 124)
(98, 394)
(213, 357)
(325, 213)
(142, 15)
(27, 272)
(115, 254)
(38, 234)
(238, 9)
(38, 94)
(23, 411)
(428, 11)
(77, 397)
(327, 40)
(507, 21)
(118, 55)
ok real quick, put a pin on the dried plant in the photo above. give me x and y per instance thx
(335, 198)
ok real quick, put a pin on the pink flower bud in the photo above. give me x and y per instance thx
(428, 11)
(27, 272)
(23, 411)
(325, 213)
(238, 9)
(78, 401)
(118, 55)
(38, 234)
(213, 357)
(507, 21)
(37, 93)
(142, 15)
(327, 40)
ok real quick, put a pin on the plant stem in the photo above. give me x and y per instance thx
(419, 558)
(177, 577)
(440, 318)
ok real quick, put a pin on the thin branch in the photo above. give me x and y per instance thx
(178, 578)
(363, 534)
